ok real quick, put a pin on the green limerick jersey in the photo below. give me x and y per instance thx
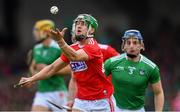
(130, 80)
(47, 55)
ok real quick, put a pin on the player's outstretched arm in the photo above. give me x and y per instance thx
(46, 72)
(70, 53)
(65, 71)
(158, 96)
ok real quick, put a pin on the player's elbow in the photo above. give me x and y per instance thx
(158, 92)
(79, 58)
(73, 58)
(53, 68)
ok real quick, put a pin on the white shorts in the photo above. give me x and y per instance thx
(127, 110)
(102, 105)
(57, 97)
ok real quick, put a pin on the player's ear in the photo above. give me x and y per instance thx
(122, 46)
(142, 46)
(92, 30)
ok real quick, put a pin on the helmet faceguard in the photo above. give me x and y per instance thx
(132, 34)
(91, 23)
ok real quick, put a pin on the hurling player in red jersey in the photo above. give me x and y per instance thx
(107, 52)
(94, 90)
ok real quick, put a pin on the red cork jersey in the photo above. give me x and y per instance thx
(92, 83)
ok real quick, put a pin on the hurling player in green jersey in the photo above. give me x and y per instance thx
(131, 73)
(43, 54)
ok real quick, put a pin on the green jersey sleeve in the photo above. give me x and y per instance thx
(155, 75)
(107, 67)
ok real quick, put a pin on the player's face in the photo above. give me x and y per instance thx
(132, 46)
(40, 34)
(81, 28)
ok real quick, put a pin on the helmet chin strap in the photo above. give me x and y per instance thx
(88, 32)
(80, 37)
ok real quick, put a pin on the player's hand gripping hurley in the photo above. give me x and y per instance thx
(24, 82)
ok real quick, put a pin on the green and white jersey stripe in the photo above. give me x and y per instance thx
(147, 61)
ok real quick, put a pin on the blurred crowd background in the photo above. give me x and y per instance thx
(158, 21)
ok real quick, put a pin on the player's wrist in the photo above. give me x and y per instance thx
(61, 43)
(64, 45)
(70, 99)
